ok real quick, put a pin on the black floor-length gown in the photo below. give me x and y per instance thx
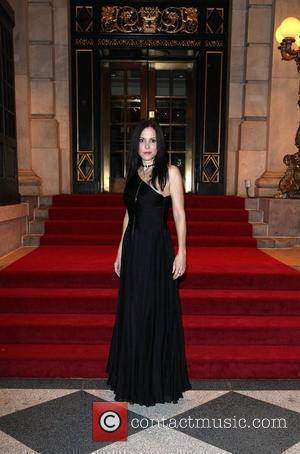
(146, 363)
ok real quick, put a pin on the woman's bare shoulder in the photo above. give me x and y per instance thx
(174, 172)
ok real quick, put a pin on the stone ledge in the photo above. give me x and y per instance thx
(13, 225)
(277, 242)
(282, 216)
(9, 212)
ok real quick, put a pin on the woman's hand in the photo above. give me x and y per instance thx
(179, 265)
(117, 264)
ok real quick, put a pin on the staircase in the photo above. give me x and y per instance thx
(80, 219)
(261, 230)
(44, 218)
(241, 308)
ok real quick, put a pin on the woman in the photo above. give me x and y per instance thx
(147, 363)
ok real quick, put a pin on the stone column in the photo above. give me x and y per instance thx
(252, 151)
(43, 105)
(29, 182)
(62, 90)
(238, 28)
(284, 114)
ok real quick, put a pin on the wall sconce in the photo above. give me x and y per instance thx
(288, 35)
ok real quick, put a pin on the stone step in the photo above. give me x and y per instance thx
(255, 215)
(262, 242)
(31, 240)
(41, 213)
(259, 229)
(276, 241)
(37, 226)
(45, 201)
(252, 204)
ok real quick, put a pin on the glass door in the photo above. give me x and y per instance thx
(132, 91)
(123, 106)
(170, 97)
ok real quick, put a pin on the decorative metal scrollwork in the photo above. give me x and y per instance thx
(289, 185)
(85, 166)
(177, 20)
(84, 42)
(149, 43)
(214, 43)
(214, 20)
(211, 168)
(84, 19)
(149, 17)
(127, 19)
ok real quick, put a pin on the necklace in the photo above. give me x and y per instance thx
(146, 167)
(147, 171)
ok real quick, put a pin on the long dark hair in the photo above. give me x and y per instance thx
(160, 169)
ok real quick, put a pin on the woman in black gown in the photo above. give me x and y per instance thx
(146, 363)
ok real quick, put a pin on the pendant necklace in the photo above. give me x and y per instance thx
(145, 167)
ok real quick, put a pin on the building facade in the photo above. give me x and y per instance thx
(209, 71)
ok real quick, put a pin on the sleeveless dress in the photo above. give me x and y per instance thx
(146, 363)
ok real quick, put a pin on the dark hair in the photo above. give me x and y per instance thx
(160, 169)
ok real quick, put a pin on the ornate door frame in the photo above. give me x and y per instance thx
(9, 187)
(197, 28)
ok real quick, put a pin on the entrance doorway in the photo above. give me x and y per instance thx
(132, 91)
(133, 62)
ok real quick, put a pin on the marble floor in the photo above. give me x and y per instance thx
(224, 416)
(289, 256)
(216, 416)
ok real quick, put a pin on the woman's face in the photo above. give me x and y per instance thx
(147, 144)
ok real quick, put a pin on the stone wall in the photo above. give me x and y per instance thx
(263, 115)
(43, 103)
(13, 225)
(283, 109)
(282, 216)
(262, 101)
(252, 31)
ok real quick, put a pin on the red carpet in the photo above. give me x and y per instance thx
(241, 308)
(97, 219)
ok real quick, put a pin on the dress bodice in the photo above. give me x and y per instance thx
(147, 208)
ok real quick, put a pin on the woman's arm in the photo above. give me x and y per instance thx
(117, 264)
(177, 195)
(125, 223)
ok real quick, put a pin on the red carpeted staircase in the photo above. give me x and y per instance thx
(97, 219)
(241, 308)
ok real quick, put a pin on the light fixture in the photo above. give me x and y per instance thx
(290, 27)
(288, 35)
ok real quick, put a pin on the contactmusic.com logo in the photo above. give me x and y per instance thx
(110, 421)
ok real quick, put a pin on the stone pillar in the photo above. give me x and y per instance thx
(62, 90)
(283, 113)
(250, 96)
(238, 28)
(29, 182)
(43, 107)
